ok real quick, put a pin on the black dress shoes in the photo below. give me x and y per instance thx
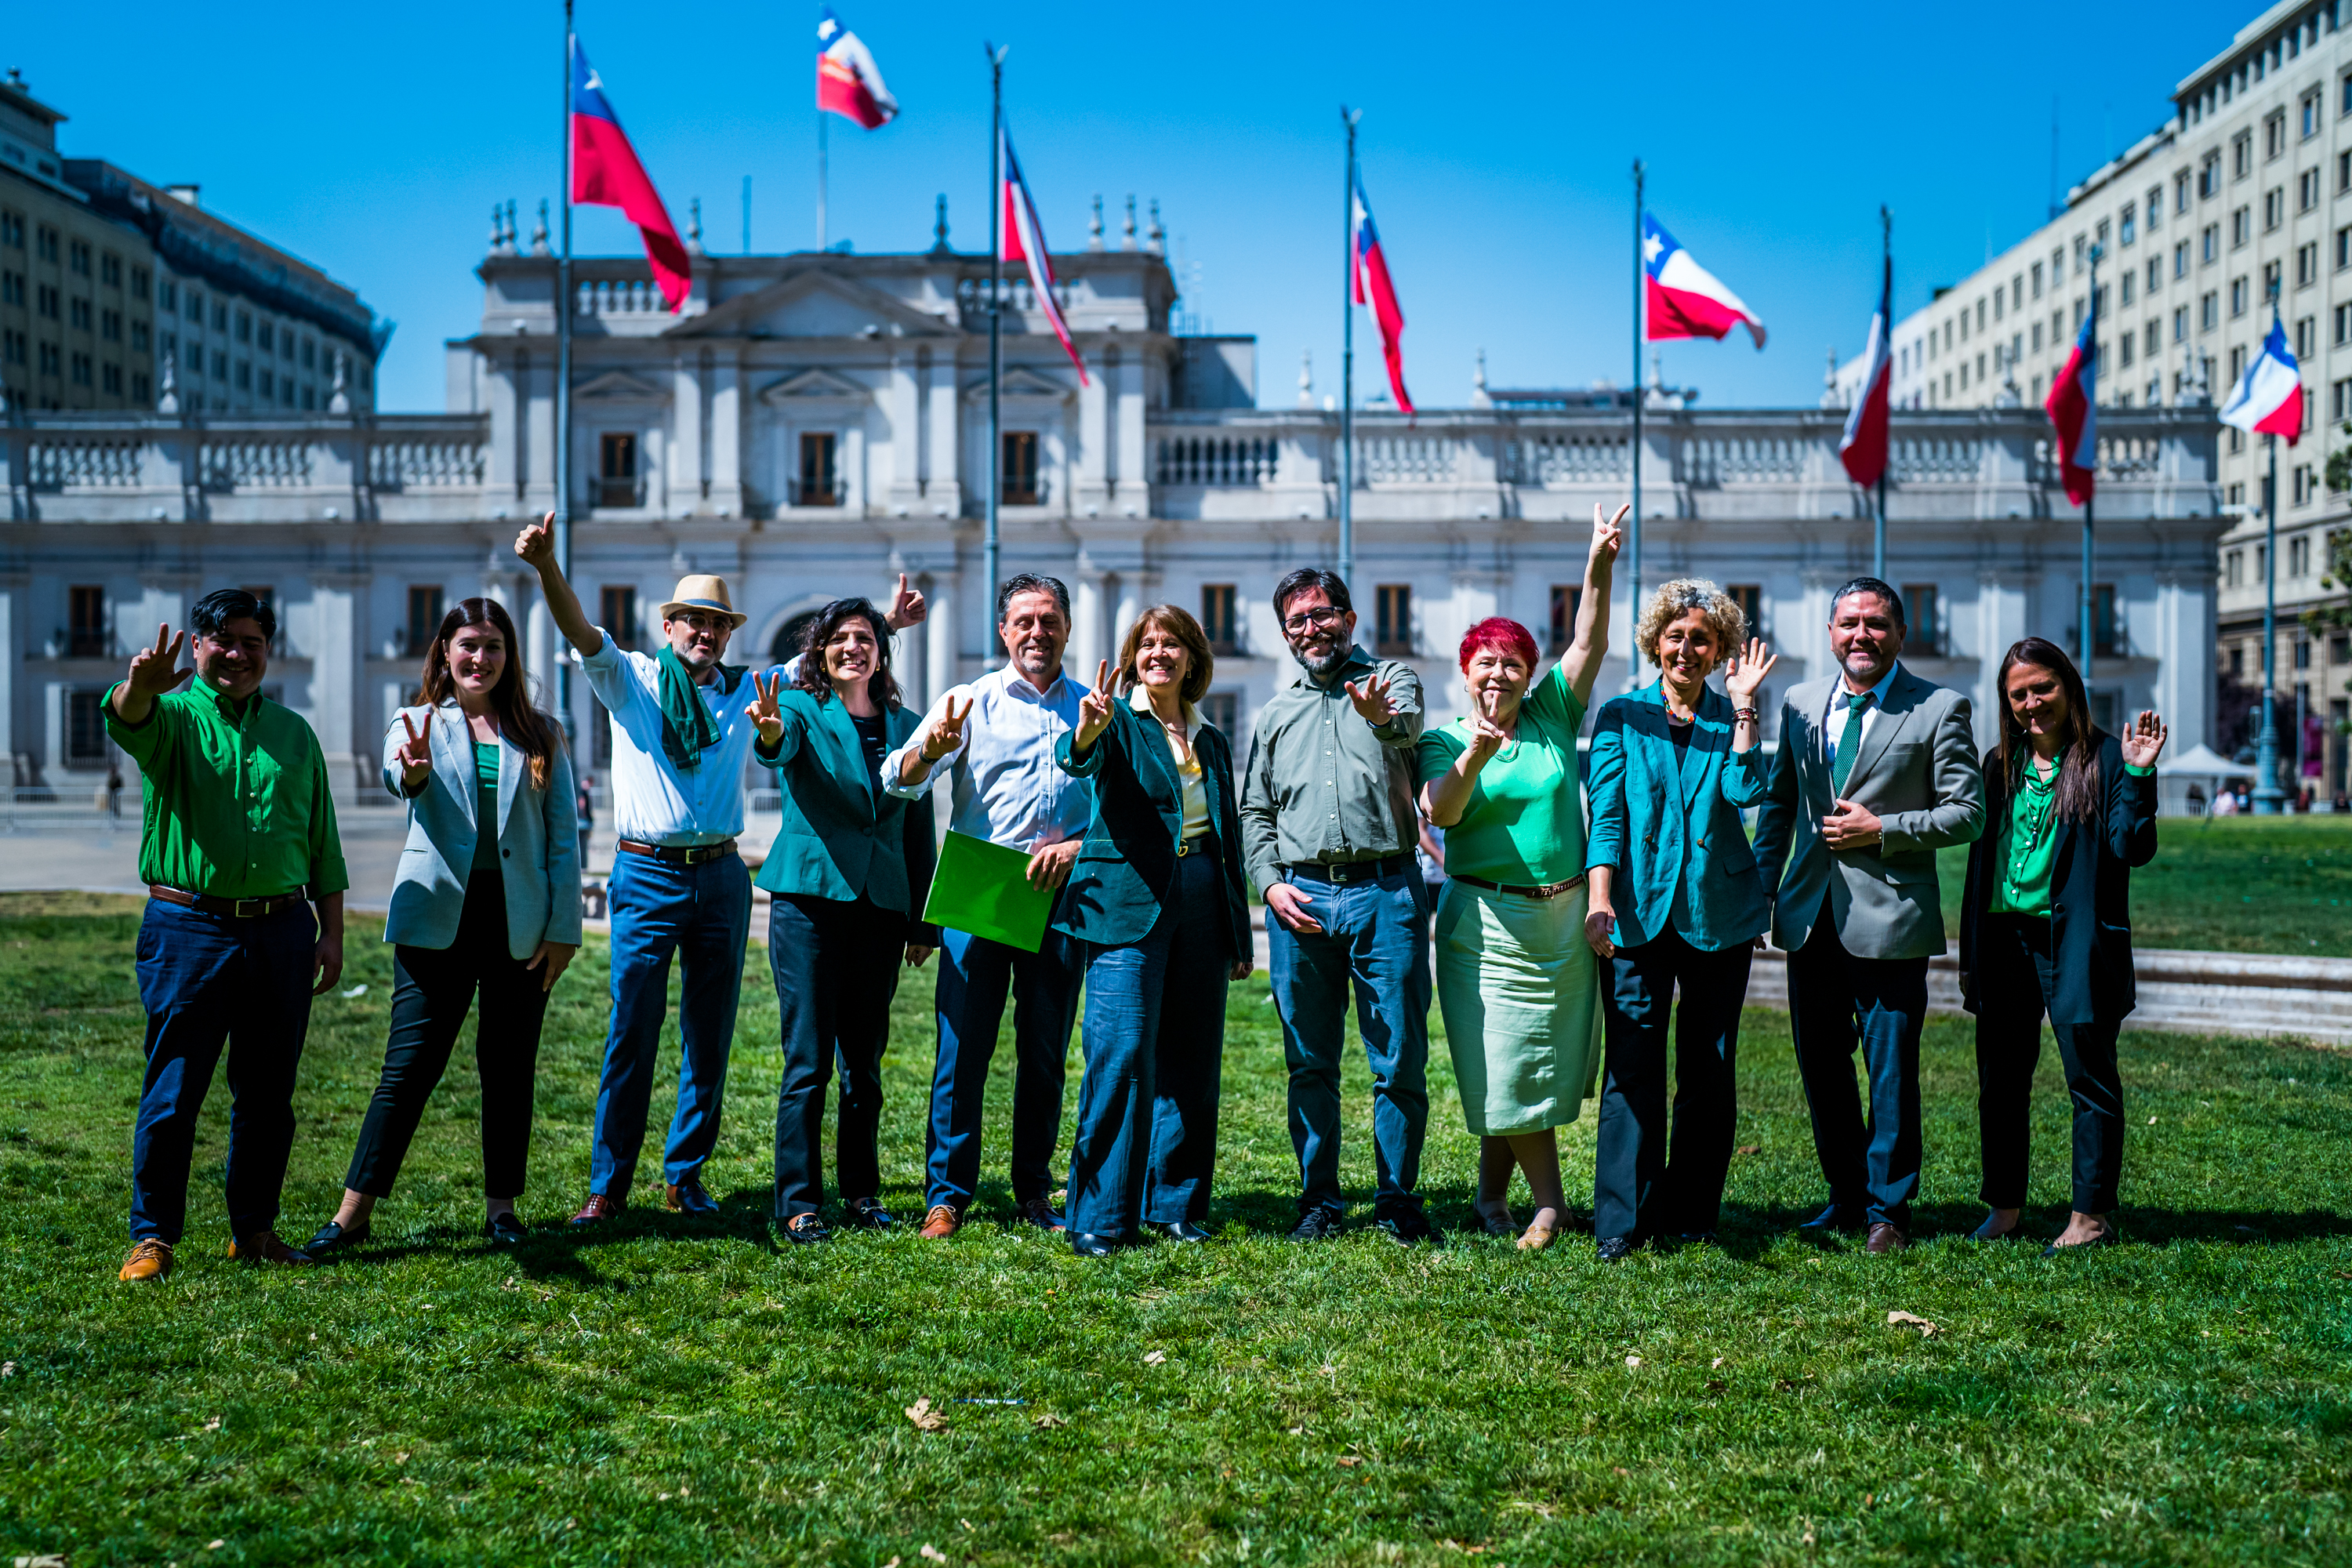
(805, 1230)
(1831, 1221)
(1615, 1248)
(1407, 1230)
(1183, 1230)
(332, 1239)
(1087, 1244)
(505, 1230)
(867, 1214)
(1315, 1225)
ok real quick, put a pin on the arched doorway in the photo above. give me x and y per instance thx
(787, 644)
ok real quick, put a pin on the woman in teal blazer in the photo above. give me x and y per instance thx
(1156, 895)
(1675, 900)
(847, 876)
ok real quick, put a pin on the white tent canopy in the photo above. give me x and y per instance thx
(2201, 766)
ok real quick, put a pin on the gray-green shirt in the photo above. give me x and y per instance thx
(1323, 785)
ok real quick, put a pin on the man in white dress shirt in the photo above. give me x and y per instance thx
(996, 736)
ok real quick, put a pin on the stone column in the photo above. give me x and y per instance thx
(2184, 637)
(2004, 613)
(942, 662)
(686, 438)
(535, 390)
(1090, 636)
(726, 488)
(943, 491)
(1130, 605)
(336, 660)
(13, 587)
(905, 435)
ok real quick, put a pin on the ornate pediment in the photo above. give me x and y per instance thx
(1020, 382)
(813, 385)
(816, 303)
(620, 386)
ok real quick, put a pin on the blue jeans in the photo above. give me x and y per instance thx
(975, 974)
(1155, 1045)
(1376, 932)
(701, 914)
(206, 980)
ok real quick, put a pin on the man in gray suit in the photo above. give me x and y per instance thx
(1877, 771)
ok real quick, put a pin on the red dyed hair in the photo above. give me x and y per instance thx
(1502, 632)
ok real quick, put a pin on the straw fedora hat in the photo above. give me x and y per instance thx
(702, 591)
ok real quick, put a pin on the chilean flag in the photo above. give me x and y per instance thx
(848, 82)
(1686, 300)
(2269, 396)
(1374, 288)
(1024, 240)
(1863, 448)
(2073, 407)
(605, 173)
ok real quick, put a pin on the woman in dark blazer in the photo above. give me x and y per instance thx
(846, 878)
(1675, 902)
(1156, 895)
(2045, 925)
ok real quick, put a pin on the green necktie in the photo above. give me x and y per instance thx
(1848, 743)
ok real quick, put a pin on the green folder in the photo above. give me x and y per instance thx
(983, 889)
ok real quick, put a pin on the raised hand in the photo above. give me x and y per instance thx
(1743, 673)
(908, 607)
(2142, 739)
(763, 712)
(1371, 699)
(414, 754)
(1094, 711)
(536, 542)
(1608, 533)
(155, 670)
(947, 733)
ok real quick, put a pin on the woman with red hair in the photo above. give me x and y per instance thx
(1515, 982)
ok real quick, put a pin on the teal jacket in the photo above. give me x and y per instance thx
(1673, 834)
(839, 839)
(1127, 863)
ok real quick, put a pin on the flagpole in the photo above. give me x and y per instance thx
(2089, 631)
(1886, 315)
(819, 180)
(2269, 799)
(992, 549)
(562, 475)
(1348, 359)
(1633, 453)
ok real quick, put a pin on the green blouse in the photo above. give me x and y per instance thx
(2025, 857)
(485, 804)
(1524, 825)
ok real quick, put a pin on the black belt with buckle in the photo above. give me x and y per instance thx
(1344, 872)
(678, 854)
(1550, 891)
(231, 909)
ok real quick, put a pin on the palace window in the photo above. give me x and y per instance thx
(1919, 599)
(86, 728)
(86, 632)
(1393, 620)
(2127, 225)
(1020, 470)
(2105, 643)
(617, 612)
(424, 616)
(1565, 597)
(616, 468)
(820, 481)
(1219, 617)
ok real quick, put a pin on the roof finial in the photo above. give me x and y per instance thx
(169, 401)
(539, 246)
(1306, 378)
(1478, 397)
(694, 226)
(1156, 241)
(1829, 398)
(1126, 234)
(338, 398)
(939, 227)
(498, 230)
(1093, 226)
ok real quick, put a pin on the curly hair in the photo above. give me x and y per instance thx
(882, 686)
(1674, 600)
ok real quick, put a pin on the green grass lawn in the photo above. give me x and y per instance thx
(2237, 884)
(662, 1392)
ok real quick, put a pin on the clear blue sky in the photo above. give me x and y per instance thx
(1495, 141)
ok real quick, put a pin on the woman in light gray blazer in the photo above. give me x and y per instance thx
(487, 900)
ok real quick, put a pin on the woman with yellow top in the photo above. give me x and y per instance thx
(1516, 983)
(2046, 926)
(1155, 896)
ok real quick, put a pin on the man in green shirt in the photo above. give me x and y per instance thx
(238, 845)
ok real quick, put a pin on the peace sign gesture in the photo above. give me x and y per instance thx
(414, 754)
(1608, 533)
(1371, 700)
(764, 713)
(947, 733)
(1743, 673)
(1094, 711)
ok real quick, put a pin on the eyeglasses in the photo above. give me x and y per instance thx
(1320, 615)
(694, 621)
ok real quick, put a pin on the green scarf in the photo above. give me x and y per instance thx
(688, 728)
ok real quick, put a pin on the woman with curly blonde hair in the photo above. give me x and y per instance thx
(1676, 900)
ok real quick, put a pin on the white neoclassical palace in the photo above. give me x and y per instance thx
(810, 425)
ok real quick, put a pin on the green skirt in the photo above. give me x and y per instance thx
(1520, 994)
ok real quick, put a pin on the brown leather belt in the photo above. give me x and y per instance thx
(233, 909)
(1552, 891)
(678, 854)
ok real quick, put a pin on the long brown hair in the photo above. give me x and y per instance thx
(1178, 623)
(534, 734)
(2079, 793)
(881, 686)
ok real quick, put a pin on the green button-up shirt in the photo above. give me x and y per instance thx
(237, 803)
(1323, 785)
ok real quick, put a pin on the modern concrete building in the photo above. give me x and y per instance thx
(2244, 193)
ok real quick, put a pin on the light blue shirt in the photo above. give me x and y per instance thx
(655, 801)
(1833, 714)
(1005, 785)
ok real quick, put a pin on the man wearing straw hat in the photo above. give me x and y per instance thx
(681, 733)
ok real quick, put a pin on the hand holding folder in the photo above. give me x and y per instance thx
(983, 889)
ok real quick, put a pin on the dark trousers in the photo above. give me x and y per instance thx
(975, 977)
(1642, 1185)
(2015, 977)
(1836, 1001)
(1155, 1046)
(432, 987)
(836, 967)
(700, 915)
(1375, 934)
(206, 980)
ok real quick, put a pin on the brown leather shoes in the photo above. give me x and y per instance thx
(1884, 1238)
(263, 1246)
(941, 1223)
(151, 1259)
(598, 1207)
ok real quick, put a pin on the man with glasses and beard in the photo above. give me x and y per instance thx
(1328, 832)
(996, 737)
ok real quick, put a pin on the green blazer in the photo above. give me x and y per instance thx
(1669, 823)
(1126, 865)
(839, 839)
